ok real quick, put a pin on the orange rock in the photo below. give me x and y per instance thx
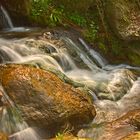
(3, 136)
(43, 98)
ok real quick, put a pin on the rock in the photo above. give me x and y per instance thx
(124, 18)
(131, 100)
(3, 136)
(43, 99)
(133, 136)
(119, 83)
(115, 130)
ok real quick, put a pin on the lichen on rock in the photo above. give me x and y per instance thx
(43, 99)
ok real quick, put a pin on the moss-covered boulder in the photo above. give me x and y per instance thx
(123, 17)
(44, 100)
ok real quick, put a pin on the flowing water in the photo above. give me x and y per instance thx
(5, 18)
(112, 86)
(44, 53)
(12, 122)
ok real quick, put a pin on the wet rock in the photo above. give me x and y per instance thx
(119, 83)
(42, 45)
(115, 130)
(131, 100)
(133, 136)
(3, 136)
(44, 100)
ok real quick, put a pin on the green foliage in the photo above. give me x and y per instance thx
(44, 12)
(77, 19)
(116, 46)
(59, 136)
(56, 16)
(102, 47)
(39, 7)
(91, 32)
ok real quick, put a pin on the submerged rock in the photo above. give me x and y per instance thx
(118, 84)
(43, 99)
(115, 130)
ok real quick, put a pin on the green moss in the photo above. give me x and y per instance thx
(134, 59)
(77, 19)
(102, 47)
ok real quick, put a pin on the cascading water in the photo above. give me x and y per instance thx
(6, 23)
(111, 86)
(12, 122)
(96, 56)
(5, 18)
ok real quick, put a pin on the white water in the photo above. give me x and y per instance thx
(25, 134)
(7, 19)
(109, 80)
(95, 55)
(11, 121)
(31, 51)
(7, 24)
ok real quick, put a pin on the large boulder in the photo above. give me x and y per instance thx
(43, 99)
(123, 17)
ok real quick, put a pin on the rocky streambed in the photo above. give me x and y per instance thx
(57, 86)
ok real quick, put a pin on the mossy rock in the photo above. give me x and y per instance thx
(44, 99)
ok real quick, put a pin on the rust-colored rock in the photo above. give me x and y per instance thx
(43, 98)
(3, 136)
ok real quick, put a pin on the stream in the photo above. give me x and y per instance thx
(115, 89)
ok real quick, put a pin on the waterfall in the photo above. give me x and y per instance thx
(100, 78)
(95, 55)
(5, 18)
